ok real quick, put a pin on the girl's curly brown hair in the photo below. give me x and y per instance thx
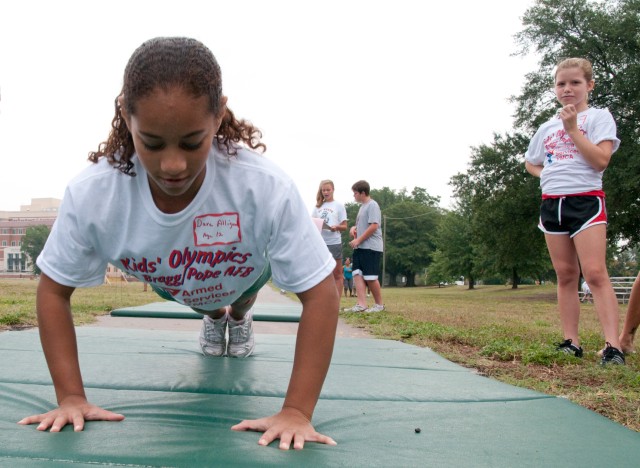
(165, 62)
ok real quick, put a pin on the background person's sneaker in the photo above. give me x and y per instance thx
(567, 347)
(356, 308)
(611, 355)
(212, 335)
(375, 308)
(241, 342)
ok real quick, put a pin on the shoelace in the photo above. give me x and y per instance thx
(239, 332)
(210, 332)
(564, 344)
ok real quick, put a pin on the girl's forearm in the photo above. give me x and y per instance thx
(314, 346)
(58, 338)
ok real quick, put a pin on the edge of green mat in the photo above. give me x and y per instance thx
(263, 313)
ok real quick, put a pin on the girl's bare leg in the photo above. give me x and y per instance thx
(565, 263)
(591, 247)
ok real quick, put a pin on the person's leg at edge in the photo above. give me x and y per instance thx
(565, 263)
(376, 290)
(358, 279)
(337, 275)
(632, 319)
(371, 276)
(360, 288)
(591, 246)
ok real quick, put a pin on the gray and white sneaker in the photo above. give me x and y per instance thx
(241, 342)
(212, 335)
(356, 308)
(375, 308)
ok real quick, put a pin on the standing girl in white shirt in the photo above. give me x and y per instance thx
(570, 153)
(335, 216)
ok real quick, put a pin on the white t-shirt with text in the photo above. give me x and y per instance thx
(248, 212)
(565, 171)
(333, 213)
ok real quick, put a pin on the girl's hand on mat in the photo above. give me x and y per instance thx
(72, 410)
(289, 425)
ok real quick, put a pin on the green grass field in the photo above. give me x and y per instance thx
(508, 335)
(499, 332)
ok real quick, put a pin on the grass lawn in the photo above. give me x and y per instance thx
(502, 333)
(508, 335)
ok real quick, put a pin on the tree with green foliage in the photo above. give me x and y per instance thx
(385, 197)
(409, 229)
(607, 33)
(504, 201)
(624, 263)
(408, 236)
(33, 242)
(455, 254)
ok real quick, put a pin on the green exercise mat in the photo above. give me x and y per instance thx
(170, 309)
(179, 407)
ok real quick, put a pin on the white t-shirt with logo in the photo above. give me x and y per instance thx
(333, 213)
(565, 171)
(248, 212)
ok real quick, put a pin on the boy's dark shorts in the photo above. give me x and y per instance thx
(366, 262)
(572, 214)
(248, 294)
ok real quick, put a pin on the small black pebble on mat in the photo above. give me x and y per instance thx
(417, 429)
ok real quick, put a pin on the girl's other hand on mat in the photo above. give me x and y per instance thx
(289, 425)
(72, 410)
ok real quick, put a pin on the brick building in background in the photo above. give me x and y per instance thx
(13, 227)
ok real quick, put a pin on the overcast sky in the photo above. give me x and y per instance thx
(394, 92)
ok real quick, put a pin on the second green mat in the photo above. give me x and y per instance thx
(173, 310)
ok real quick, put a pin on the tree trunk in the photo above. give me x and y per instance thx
(411, 280)
(515, 279)
(392, 279)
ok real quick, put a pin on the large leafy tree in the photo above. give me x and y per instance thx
(409, 228)
(504, 201)
(455, 254)
(608, 34)
(385, 197)
(408, 236)
(33, 242)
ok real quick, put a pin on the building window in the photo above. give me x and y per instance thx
(15, 262)
(4, 243)
(13, 243)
